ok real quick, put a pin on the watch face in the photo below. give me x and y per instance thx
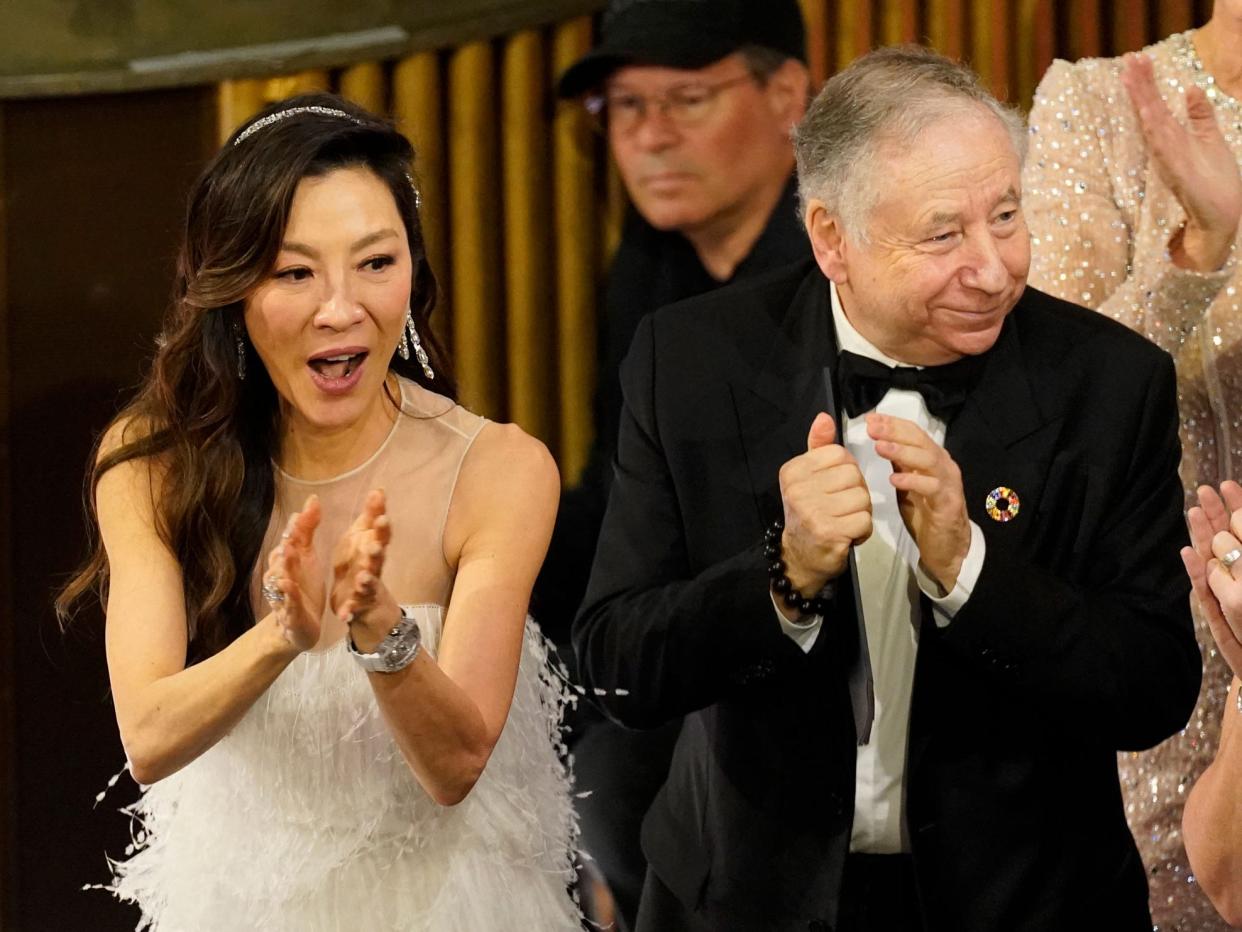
(399, 654)
(396, 651)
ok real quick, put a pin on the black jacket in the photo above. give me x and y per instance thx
(1076, 642)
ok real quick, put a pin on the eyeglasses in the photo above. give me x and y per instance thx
(685, 105)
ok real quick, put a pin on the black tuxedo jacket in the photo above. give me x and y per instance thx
(1076, 642)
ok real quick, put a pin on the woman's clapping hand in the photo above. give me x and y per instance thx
(1216, 538)
(359, 596)
(293, 583)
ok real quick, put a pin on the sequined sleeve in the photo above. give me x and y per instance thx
(1100, 221)
(1085, 185)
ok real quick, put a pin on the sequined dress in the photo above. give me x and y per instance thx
(1100, 220)
(306, 818)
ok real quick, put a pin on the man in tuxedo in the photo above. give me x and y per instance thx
(697, 99)
(899, 537)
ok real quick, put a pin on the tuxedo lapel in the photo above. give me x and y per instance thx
(1002, 438)
(776, 401)
(775, 405)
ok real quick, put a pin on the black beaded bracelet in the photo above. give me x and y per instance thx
(781, 584)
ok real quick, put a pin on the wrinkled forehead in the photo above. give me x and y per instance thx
(963, 162)
(954, 131)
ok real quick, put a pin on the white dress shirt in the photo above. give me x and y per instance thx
(890, 580)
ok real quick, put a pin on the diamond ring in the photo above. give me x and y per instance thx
(1232, 557)
(271, 591)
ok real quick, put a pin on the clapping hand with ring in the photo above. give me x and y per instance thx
(293, 583)
(1214, 563)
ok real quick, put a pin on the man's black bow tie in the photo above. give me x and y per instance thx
(944, 389)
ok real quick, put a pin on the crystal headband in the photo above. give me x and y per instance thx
(292, 111)
(318, 111)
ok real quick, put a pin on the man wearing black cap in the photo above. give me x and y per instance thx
(697, 98)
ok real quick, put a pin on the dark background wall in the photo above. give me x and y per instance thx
(93, 189)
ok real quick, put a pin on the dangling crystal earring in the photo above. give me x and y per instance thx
(403, 345)
(419, 353)
(241, 351)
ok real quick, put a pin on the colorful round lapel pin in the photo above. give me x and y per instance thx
(1002, 504)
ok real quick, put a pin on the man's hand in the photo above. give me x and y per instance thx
(1194, 161)
(929, 495)
(827, 509)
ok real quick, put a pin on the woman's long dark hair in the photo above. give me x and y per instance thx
(208, 435)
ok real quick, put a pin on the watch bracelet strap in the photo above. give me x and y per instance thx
(398, 648)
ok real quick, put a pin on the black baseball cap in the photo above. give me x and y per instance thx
(684, 34)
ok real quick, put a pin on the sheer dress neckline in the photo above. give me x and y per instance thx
(396, 422)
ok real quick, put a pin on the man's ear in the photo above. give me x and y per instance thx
(827, 240)
(787, 91)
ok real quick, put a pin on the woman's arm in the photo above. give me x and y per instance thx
(447, 713)
(168, 714)
(1092, 159)
(1212, 819)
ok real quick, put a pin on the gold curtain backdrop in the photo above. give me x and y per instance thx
(522, 210)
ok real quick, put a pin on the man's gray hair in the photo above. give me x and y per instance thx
(885, 98)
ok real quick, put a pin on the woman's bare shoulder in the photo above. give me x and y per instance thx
(125, 430)
(133, 481)
(508, 475)
(502, 447)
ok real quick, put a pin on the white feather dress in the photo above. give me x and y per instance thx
(306, 817)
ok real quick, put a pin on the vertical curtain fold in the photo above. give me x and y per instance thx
(475, 222)
(529, 301)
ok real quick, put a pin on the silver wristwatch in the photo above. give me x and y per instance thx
(398, 649)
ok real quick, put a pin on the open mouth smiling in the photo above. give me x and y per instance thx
(337, 370)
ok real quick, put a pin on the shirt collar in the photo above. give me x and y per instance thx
(849, 339)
